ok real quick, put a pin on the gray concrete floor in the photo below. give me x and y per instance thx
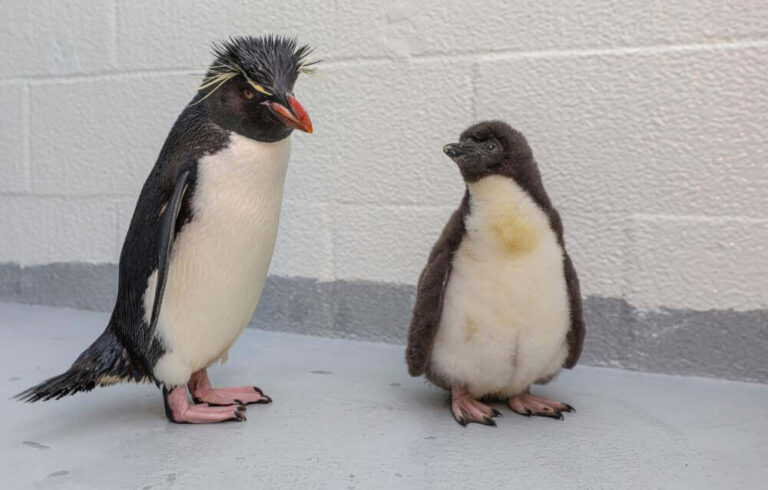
(346, 415)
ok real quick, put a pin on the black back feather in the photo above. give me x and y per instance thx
(105, 362)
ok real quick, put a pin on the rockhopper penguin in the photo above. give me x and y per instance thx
(498, 306)
(196, 254)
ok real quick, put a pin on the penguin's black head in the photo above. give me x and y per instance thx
(487, 148)
(249, 87)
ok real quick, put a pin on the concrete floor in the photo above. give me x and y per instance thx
(346, 415)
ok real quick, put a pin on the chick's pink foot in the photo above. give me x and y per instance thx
(202, 392)
(467, 410)
(528, 404)
(178, 409)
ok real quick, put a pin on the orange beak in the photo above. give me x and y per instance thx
(294, 116)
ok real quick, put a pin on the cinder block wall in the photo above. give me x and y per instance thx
(649, 121)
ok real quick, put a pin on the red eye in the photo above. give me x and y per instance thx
(248, 93)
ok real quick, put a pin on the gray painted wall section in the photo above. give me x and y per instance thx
(715, 343)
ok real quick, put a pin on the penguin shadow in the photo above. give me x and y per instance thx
(430, 398)
(132, 410)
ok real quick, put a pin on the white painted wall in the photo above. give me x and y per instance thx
(649, 120)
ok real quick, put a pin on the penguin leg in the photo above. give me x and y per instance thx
(202, 392)
(467, 410)
(529, 404)
(178, 409)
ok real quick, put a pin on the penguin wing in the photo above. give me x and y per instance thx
(165, 244)
(577, 331)
(431, 290)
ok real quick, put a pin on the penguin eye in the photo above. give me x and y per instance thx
(491, 147)
(248, 93)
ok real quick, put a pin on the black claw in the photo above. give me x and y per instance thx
(239, 402)
(528, 412)
(461, 419)
(266, 400)
(496, 413)
(569, 408)
(240, 416)
(489, 421)
(197, 400)
(551, 415)
(242, 407)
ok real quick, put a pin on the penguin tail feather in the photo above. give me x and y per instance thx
(104, 363)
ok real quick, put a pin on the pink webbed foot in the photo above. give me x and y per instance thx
(178, 410)
(467, 410)
(202, 392)
(528, 404)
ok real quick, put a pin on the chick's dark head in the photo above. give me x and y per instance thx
(490, 147)
(249, 86)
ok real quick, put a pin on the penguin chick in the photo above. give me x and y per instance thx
(196, 254)
(498, 306)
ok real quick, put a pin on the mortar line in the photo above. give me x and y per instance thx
(416, 57)
(25, 139)
(116, 214)
(473, 75)
(115, 36)
(628, 214)
(699, 218)
(586, 52)
(51, 196)
(127, 73)
(101, 75)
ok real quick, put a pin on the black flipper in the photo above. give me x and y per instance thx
(170, 213)
(577, 331)
(431, 290)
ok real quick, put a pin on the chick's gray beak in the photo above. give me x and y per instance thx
(455, 150)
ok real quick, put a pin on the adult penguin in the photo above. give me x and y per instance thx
(196, 254)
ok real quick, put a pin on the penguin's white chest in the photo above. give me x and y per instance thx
(220, 259)
(505, 315)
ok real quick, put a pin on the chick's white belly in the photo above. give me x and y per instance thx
(503, 325)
